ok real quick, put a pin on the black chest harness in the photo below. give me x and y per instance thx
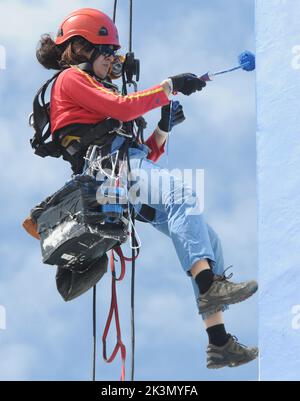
(72, 142)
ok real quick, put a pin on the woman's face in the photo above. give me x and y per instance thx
(102, 64)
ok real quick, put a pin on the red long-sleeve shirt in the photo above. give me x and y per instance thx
(76, 97)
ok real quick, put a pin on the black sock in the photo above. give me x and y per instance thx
(204, 280)
(217, 335)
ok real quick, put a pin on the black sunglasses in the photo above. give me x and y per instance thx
(107, 50)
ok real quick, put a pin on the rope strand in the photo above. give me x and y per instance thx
(94, 332)
(115, 10)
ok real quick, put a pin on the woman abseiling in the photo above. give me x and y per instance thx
(84, 96)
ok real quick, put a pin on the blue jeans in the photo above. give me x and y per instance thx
(192, 237)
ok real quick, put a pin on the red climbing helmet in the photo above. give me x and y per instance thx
(91, 24)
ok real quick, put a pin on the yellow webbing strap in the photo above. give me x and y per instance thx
(68, 139)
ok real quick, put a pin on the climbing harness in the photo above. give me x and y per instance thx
(82, 135)
(39, 120)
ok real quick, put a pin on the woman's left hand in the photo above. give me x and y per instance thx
(171, 115)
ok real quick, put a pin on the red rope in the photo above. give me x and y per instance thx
(114, 311)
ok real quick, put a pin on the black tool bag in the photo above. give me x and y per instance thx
(71, 283)
(76, 235)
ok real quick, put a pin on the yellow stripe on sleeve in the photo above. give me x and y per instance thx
(102, 89)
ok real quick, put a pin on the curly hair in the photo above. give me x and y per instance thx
(56, 57)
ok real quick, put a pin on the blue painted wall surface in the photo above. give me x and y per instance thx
(278, 152)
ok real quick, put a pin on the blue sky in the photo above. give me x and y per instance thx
(47, 339)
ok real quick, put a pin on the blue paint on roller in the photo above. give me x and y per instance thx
(247, 61)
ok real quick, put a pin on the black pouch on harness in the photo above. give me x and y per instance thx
(76, 234)
(72, 283)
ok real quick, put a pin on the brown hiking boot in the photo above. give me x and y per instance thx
(223, 292)
(232, 354)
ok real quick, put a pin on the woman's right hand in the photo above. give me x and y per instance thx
(187, 83)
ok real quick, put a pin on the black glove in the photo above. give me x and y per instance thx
(171, 117)
(187, 83)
